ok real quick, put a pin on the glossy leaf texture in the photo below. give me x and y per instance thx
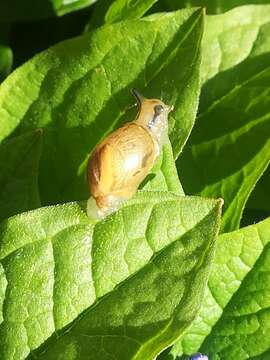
(132, 282)
(234, 318)
(19, 163)
(229, 148)
(78, 92)
(110, 11)
(17, 10)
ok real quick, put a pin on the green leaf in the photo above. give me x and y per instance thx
(5, 61)
(109, 11)
(229, 148)
(164, 175)
(19, 162)
(212, 6)
(62, 7)
(248, 26)
(246, 319)
(17, 10)
(127, 9)
(158, 246)
(78, 92)
(235, 312)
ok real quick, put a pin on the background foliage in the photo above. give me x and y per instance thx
(154, 275)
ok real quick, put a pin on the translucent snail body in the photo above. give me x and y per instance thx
(121, 161)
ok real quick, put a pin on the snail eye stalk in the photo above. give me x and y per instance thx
(137, 96)
(158, 110)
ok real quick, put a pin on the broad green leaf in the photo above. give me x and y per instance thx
(151, 259)
(17, 10)
(242, 330)
(229, 148)
(19, 162)
(110, 11)
(232, 37)
(5, 61)
(235, 318)
(212, 6)
(78, 92)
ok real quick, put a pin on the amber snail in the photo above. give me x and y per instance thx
(122, 160)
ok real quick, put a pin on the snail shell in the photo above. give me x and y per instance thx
(121, 161)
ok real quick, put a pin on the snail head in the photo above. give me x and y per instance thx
(153, 115)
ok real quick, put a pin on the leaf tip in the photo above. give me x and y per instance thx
(220, 202)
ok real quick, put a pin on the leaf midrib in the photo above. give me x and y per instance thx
(61, 332)
(172, 319)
